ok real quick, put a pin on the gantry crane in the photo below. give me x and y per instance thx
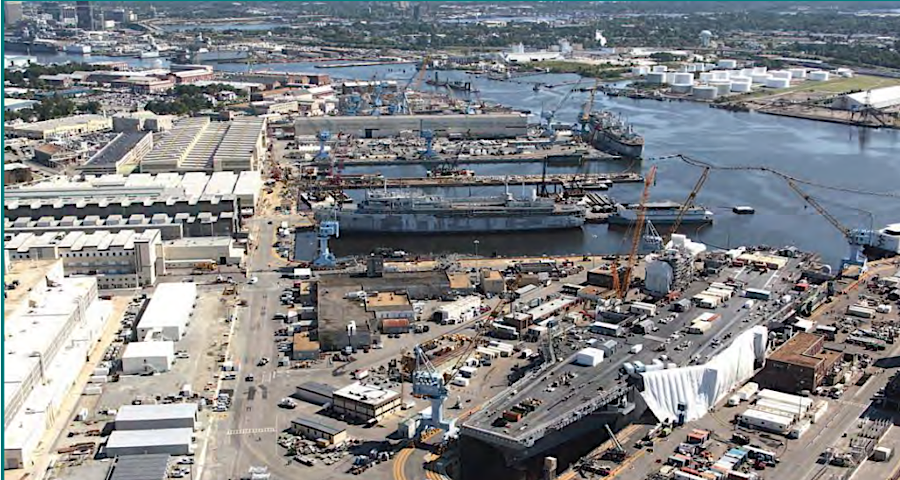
(623, 283)
(857, 238)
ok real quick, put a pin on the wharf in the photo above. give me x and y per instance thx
(588, 179)
(551, 157)
(365, 63)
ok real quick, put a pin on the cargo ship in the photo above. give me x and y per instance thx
(610, 133)
(406, 212)
(661, 213)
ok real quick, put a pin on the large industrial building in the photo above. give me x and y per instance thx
(168, 313)
(876, 98)
(144, 357)
(199, 145)
(63, 127)
(173, 441)
(156, 417)
(125, 259)
(40, 370)
(802, 363)
(122, 155)
(486, 126)
(191, 205)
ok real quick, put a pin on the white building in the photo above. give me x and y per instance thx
(365, 402)
(156, 417)
(168, 313)
(174, 441)
(142, 357)
(193, 250)
(123, 259)
(51, 324)
(876, 98)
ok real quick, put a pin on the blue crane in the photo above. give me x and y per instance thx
(429, 153)
(549, 116)
(327, 229)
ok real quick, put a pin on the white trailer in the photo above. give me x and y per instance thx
(460, 311)
(766, 421)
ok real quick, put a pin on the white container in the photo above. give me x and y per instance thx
(778, 82)
(720, 75)
(798, 72)
(818, 411)
(748, 305)
(759, 70)
(860, 311)
(636, 348)
(656, 78)
(670, 77)
(765, 421)
(740, 87)
(683, 79)
(727, 63)
(760, 77)
(699, 328)
(882, 454)
(682, 89)
(660, 68)
(641, 307)
(467, 372)
(747, 72)
(883, 308)
(723, 87)
(93, 390)
(460, 381)
(705, 92)
(98, 379)
(734, 400)
(705, 77)
(819, 76)
(781, 74)
(639, 71)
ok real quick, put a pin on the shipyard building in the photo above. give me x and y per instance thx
(63, 127)
(40, 370)
(485, 126)
(122, 155)
(200, 145)
(876, 98)
(802, 363)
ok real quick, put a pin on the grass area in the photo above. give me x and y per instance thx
(584, 69)
(834, 87)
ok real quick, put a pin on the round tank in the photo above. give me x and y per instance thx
(819, 76)
(798, 72)
(709, 66)
(760, 77)
(683, 78)
(706, 76)
(670, 77)
(656, 78)
(660, 68)
(740, 87)
(781, 74)
(640, 71)
(705, 92)
(759, 70)
(740, 79)
(778, 83)
(746, 72)
(845, 72)
(723, 87)
(720, 75)
(684, 88)
(726, 63)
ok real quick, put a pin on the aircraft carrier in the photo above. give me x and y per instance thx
(575, 402)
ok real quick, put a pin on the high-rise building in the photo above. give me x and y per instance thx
(68, 15)
(85, 13)
(12, 12)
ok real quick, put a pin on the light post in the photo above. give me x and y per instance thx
(593, 258)
(476, 242)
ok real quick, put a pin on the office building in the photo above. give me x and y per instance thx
(84, 13)
(12, 13)
(63, 127)
(365, 402)
(801, 363)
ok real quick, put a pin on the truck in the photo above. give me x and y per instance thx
(636, 348)
(757, 294)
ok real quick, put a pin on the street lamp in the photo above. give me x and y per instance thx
(593, 257)
(476, 242)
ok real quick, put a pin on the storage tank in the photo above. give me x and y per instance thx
(683, 79)
(706, 76)
(781, 74)
(639, 71)
(746, 72)
(740, 79)
(727, 63)
(670, 77)
(778, 83)
(740, 87)
(720, 75)
(656, 78)
(705, 92)
(709, 66)
(760, 77)
(819, 76)
(845, 72)
(759, 70)
(798, 72)
(723, 87)
(660, 68)
(682, 89)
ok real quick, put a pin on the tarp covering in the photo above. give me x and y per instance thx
(702, 386)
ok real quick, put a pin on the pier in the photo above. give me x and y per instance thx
(552, 157)
(587, 179)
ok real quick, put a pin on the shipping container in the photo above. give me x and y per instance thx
(708, 317)
(467, 372)
(766, 421)
(461, 382)
(818, 411)
(748, 391)
(636, 348)
(706, 301)
(512, 416)
(723, 294)
(786, 398)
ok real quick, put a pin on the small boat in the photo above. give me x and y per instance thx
(743, 210)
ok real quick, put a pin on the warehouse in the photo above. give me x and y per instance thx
(143, 357)
(168, 312)
(156, 417)
(799, 364)
(122, 155)
(322, 428)
(492, 282)
(173, 441)
(390, 305)
(185, 252)
(364, 402)
(485, 126)
(303, 348)
(315, 393)
(197, 144)
(876, 98)
(140, 467)
(63, 127)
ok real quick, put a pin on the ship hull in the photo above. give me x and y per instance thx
(606, 142)
(460, 223)
(661, 219)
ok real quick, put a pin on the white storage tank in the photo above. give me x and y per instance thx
(760, 78)
(746, 72)
(798, 72)
(683, 89)
(740, 87)
(819, 76)
(660, 68)
(683, 78)
(740, 79)
(705, 92)
(670, 77)
(656, 78)
(720, 75)
(759, 70)
(845, 72)
(727, 63)
(778, 83)
(640, 71)
(781, 74)
(723, 87)
(705, 76)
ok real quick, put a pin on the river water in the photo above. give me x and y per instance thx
(831, 154)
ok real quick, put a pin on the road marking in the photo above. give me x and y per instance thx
(399, 467)
(251, 431)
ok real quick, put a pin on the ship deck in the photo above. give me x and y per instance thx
(563, 401)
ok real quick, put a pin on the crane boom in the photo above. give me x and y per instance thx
(638, 233)
(689, 202)
(819, 208)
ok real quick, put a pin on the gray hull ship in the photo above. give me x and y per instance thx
(405, 212)
(611, 134)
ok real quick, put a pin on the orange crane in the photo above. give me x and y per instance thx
(689, 202)
(637, 234)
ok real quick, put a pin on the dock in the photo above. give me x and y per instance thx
(377, 181)
(575, 157)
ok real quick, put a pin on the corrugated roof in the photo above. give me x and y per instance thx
(149, 438)
(323, 426)
(156, 412)
(140, 467)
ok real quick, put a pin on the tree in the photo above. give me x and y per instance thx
(92, 106)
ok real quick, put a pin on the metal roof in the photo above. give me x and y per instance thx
(140, 467)
(324, 426)
(156, 412)
(149, 438)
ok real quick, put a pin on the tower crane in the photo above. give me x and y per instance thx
(622, 284)
(857, 238)
(588, 108)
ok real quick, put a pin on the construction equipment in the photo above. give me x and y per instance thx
(326, 229)
(857, 239)
(429, 153)
(550, 115)
(689, 202)
(617, 452)
(637, 235)
(588, 108)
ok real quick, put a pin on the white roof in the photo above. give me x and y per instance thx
(149, 349)
(551, 307)
(877, 95)
(767, 416)
(366, 393)
(156, 412)
(170, 306)
(147, 438)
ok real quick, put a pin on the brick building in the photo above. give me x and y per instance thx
(802, 363)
